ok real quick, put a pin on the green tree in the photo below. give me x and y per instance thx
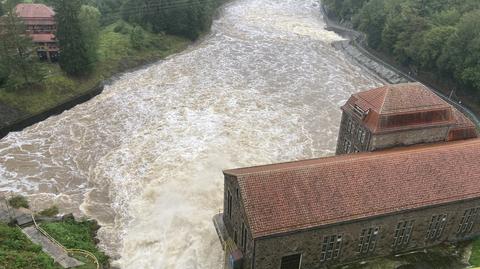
(371, 20)
(137, 38)
(18, 57)
(90, 28)
(433, 45)
(188, 19)
(463, 50)
(74, 54)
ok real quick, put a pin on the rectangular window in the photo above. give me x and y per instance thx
(331, 247)
(364, 136)
(243, 239)
(347, 146)
(349, 126)
(229, 204)
(291, 261)
(368, 240)
(468, 220)
(354, 130)
(359, 134)
(402, 235)
(435, 229)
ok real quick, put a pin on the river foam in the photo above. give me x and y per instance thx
(145, 157)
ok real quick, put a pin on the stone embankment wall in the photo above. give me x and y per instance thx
(356, 47)
(12, 120)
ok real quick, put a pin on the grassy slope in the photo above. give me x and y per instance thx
(18, 252)
(77, 235)
(116, 54)
(475, 258)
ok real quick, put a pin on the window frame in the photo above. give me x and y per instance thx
(368, 240)
(331, 247)
(403, 234)
(229, 204)
(293, 254)
(468, 221)
(436, 227)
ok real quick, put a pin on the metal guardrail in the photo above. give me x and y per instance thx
(67, 251)
(358, 39)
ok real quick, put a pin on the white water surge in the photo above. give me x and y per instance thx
(145, 157)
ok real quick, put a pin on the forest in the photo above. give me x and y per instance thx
(441, 37)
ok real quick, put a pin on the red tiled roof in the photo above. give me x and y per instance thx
(463, 128)
(462, 121)
(34, 11)
(401, 106)
(306, 194)
(45, 38)
(401, 98)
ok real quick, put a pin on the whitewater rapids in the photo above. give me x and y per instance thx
(145, 158)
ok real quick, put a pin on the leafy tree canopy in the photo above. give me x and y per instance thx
(439, 36)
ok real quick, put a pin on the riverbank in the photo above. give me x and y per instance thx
(19, 109)
(19, 247)
(388, 70)
(18, 252)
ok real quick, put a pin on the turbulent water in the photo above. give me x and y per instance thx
(145, 157)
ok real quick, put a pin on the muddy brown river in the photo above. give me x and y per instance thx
(145, 157)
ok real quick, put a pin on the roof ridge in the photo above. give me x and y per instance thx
(366, 156)
(383, 88)
(388, 88)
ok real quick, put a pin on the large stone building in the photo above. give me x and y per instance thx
(399, 115)
(40, 24)
(336, 210)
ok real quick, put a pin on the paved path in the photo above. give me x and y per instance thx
(56, 252)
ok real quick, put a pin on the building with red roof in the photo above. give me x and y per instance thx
(39, 20)
(350, 207)
(399, 115)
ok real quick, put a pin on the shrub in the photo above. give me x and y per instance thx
(137, 37)
(60, 84)
(122, 28)
(4, 73)
(49, 212)
(18, 202)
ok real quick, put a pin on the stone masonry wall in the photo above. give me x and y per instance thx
(356, 144)
(410, 137)
(237, 218)
(388, 140)
(269, 251)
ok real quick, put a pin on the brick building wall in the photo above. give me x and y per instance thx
(269, 251)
